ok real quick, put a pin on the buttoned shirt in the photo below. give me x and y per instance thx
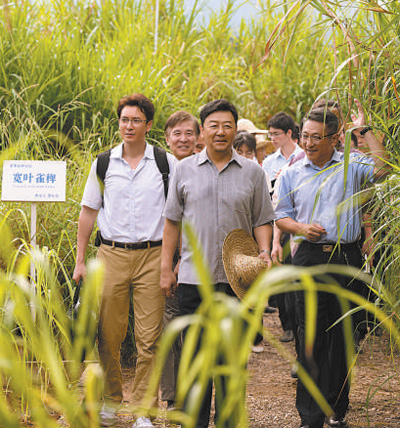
(214, 203)
(309, 194)
(273, 163)
(133, 198)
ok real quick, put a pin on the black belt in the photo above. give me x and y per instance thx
(129, 246)
(329, 247)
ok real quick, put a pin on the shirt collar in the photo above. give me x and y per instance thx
(203, 157)
(296, 150)
(116, 152)
(336, 157)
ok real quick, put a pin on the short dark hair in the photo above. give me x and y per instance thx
(179, 117)
(244, 137)
(140, 101)
(296, 132)
(282, 121)
(325, 116)
(218, 105)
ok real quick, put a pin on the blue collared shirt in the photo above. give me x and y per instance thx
(309, 194)
(214, 203)
(273, 163)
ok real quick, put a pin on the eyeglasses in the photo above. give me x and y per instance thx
(314, 138)
(274, 134)
(134, 121)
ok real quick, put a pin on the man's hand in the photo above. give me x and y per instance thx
(265, 256)
(313, 232)
(79, 272)
(176, 268)
(359, 120)
(277, 253)
(168, 283)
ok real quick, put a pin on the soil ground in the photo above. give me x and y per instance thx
(374, 396)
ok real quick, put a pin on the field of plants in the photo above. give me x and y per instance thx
(63, 67)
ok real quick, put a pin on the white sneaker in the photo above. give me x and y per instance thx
(257, 349)
(143, 423)
(107, 416)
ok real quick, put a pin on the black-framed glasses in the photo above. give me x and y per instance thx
(134, 121)
(314, 138)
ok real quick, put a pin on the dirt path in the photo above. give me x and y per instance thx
(271, 390)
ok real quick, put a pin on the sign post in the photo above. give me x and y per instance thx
(33, 181)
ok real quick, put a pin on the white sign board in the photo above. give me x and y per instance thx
(34, 181)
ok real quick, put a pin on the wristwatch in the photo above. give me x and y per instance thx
(365, 130)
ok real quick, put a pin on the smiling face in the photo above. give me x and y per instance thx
(133, 133)
(181, 139)
(219, 131)
(319, 152)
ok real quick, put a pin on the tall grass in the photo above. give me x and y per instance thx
(63, 66)
(41, 346)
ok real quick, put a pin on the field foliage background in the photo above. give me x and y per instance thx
(64, 65)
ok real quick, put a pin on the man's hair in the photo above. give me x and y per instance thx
(325, 116)
(282, 121)
(137, 100)
(326, 103)
(179, 117)
(244, 137)
(329, 104)
(218, 105)
(296, 132)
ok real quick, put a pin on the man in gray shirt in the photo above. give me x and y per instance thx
(216, 191)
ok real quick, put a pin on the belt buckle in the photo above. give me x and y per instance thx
(148, 244)
(327, 248)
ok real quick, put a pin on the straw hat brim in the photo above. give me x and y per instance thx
(248, 125)
(241, 262)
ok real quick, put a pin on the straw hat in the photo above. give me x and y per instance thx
(242, 266)
(260, 134)
(248, 125)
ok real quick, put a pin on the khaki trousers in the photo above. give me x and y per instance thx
(139, 269)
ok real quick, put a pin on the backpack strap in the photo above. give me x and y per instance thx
(103, 159)
(163, 166)
(160, 155)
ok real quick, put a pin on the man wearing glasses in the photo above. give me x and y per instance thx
(316, 205)
(281, 128)
(128, 209)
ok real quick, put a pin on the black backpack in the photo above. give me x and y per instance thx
(160, 155)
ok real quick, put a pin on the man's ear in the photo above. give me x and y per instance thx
(335, 140)
(149, 124)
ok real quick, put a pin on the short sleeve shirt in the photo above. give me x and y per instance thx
(214, 203)
(133, 198)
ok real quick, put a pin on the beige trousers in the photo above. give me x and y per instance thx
(139, 269)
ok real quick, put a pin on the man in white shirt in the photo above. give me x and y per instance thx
(281, 129)
(130, 221)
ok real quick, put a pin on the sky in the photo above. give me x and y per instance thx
(246, 8)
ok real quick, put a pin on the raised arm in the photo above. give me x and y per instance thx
(87, 218)
(376, 149)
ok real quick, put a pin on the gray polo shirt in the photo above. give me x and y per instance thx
(215, 203)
